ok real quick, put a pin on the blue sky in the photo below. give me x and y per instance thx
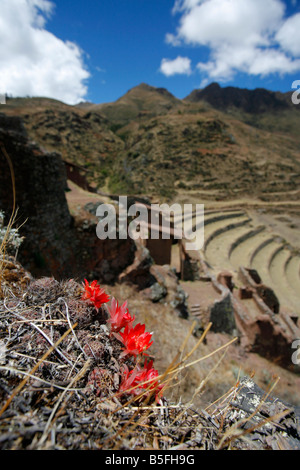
(124, 41)
(97, 50)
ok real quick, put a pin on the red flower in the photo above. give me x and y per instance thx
(138, 380)
(95, 294)
(135, 340)
(119, 316)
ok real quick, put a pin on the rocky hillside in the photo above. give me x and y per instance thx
(226, 142)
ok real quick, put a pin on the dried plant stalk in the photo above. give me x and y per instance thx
(24, 381)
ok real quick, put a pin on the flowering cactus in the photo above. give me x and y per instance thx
(119, 316)
(139, 380)
(134, 338)
(94, 294)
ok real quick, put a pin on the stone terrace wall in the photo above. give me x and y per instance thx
(40, 196)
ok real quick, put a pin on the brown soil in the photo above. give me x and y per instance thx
(78, 197)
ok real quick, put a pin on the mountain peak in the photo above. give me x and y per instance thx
(144, 87)
(251, 101)
(140, 101)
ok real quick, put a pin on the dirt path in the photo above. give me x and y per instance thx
(78, 196)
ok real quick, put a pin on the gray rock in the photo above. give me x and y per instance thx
(222, 316)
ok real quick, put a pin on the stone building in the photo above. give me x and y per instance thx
(160, 248)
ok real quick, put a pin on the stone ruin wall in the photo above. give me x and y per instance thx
(55, 244)
(40, 198)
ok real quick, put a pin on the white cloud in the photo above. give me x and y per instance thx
(288, 35)
(253, 36)
(180, 65)
(33, 61)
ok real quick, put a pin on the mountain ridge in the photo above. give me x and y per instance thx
(257, 100)
(253, 107)
(149, 142)
(253, 101)
(212, 87)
